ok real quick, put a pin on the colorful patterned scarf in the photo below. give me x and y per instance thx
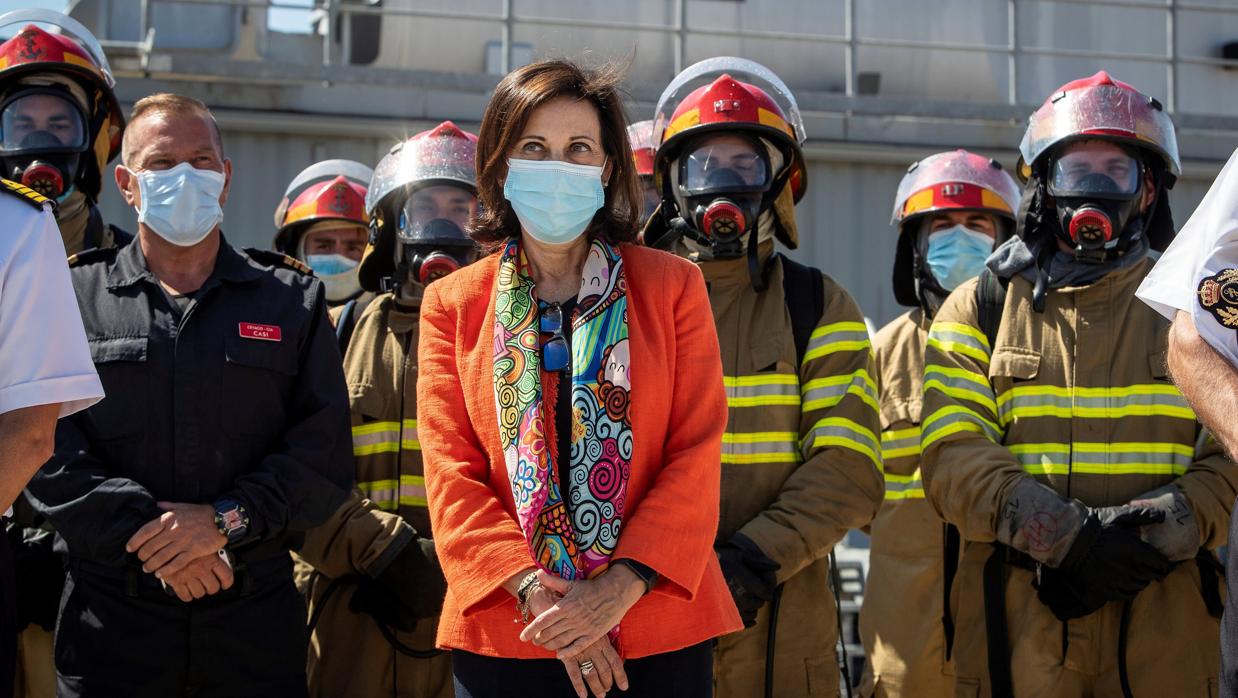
(576, 541)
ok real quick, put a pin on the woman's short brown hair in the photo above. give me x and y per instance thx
(515, 98)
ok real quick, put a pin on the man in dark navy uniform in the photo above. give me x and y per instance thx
(224, 435)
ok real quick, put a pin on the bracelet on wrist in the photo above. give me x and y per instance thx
(526, 588)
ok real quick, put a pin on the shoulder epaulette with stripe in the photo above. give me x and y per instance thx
(24, 193)
(271, 258)
(94, 254)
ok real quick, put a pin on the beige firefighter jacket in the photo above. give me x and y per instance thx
(1078, 398)
(800, 466)
(900, 623)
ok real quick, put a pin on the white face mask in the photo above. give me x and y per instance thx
(181, 204)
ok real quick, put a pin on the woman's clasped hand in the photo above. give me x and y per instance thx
(573, 619)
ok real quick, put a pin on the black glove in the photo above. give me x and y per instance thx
(410, 588)
(749, 574)
(39, 574)
(1107, 562)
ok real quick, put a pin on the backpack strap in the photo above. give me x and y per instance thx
(345, 324)
(950, 564)
(990, 300)
(804, 289)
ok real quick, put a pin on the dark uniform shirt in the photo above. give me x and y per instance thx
(239, 395)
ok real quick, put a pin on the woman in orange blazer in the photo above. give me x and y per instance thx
(570, 411)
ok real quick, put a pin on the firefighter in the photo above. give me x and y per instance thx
(377, 588)
(640, 135)
(1053, 440)
(322, 221)
(60, 123)
(801, 456)
(949, 209)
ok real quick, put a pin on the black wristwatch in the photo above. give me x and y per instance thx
(232, 520)
(645, 572)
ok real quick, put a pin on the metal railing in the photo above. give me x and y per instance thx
(338, 15)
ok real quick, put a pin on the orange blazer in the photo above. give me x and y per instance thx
(678, 415)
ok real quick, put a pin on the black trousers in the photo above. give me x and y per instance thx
(8, 618)
(685, 673)
(120, 634)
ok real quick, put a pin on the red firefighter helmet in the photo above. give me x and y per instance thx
(68, 50)
(1103, 108)
(325, 191)
(640, 135)
(444, 155)
(956, 179)
(731, 94)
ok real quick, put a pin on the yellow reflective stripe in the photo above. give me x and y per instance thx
(835, 337)
(762, 390)
(960, 384)
(899, 487)
(389, 496)
(822, 393)
(1118, 458)
(956, 337)
(840, 431)
(953, 419)
(384, 437)
(760, 447)
(899, 443)
(1143, 400)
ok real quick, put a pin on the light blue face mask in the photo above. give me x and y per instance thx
(957, 254)
(554, 200)
(330, 264)
(181, 203)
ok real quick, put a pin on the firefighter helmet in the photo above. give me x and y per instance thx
(52, 51)
(444, 156)
(640, 134)
(740, 98)
(324, 191)
(1102, 108)
(955, 180)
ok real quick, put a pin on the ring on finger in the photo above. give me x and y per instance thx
(586, 666)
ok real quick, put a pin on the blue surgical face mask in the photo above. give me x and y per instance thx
(957, 254)
(330, 264)
(554, 200)
(180, 204)
(338, 274)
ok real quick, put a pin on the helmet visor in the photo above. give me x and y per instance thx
(1104, 172)
(328, 170)
(743, 70)
(1106, 111)
(724, 162)
(421, 160)
(437, 215)
(41, 121)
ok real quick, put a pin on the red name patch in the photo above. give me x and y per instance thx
(252, 330)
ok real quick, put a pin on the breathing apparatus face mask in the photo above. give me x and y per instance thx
(43, 134)
(1098, 193)
(430, 238)
(722, 181)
